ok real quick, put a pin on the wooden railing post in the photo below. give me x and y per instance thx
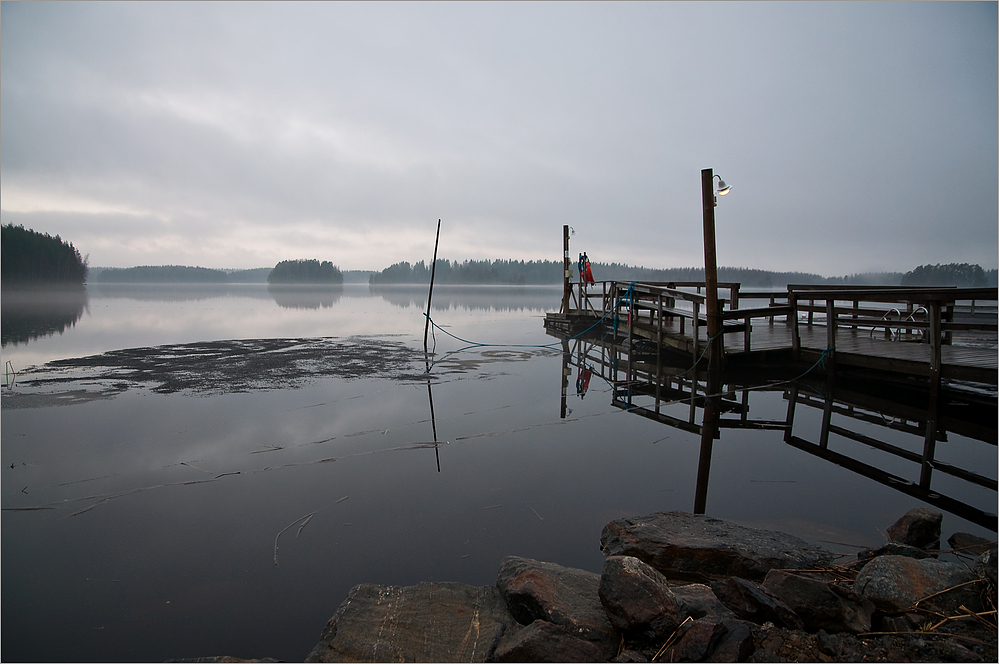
(792, 299)
(830, 333)
(935, 343)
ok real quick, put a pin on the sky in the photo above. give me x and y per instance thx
(856, 136)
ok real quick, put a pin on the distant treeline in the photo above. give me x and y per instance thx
(516, 273)
(508, 272)
(29, 257)
(288, 272)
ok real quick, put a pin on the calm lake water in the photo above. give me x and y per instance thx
(241, 458)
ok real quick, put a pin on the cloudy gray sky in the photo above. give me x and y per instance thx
(856, 136)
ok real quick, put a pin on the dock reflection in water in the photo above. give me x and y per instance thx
(886, 432)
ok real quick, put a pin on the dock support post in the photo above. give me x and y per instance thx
(711, 270)
(709, 430)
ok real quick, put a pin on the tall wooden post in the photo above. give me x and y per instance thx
(565, 270)
(711, 270)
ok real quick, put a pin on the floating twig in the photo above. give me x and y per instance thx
(304, 523)
(340, 500)
(276, 538)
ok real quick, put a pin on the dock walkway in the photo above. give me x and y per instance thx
(933, 332)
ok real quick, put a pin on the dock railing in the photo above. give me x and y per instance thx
(658, 307)
(923, 315)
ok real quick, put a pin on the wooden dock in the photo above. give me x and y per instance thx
(936, 333)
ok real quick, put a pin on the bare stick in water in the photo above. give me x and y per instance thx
(306, 518)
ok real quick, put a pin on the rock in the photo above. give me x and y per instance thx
(890, 549)
(702, 602)
(969, 544)
(697, 642)
(895, 583)
(429, 622)
(751, 601)
(683, 545)
(542, 641)
(821, 605)
(985, 567)
(630, 656)
(919, 527)
(535, 590)
(735, 645)
(638, 599)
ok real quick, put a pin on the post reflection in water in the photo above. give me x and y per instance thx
(884, 432)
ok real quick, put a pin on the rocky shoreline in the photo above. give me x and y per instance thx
(683, 587)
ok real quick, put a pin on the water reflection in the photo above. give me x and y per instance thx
(30, 314)
(175, 292)
(888, 433)
(498, 298)
(305, 297)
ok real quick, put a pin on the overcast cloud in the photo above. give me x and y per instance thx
(856, 136)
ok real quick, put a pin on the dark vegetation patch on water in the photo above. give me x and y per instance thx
(214, 367)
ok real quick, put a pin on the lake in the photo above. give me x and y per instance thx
(199, 471)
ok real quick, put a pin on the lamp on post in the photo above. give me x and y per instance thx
(708, 202)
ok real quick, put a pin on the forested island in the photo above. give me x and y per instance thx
(305, 272)
(30, 258)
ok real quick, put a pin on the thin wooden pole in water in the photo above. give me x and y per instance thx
(433, 269)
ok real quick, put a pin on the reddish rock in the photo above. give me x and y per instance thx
(894, 583)
(683, 545)
(919, 527)
(821, 605)
(535, 590)
(638, 599)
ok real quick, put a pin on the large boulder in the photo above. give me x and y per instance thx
(694, 546)
(821, 605)
(638, 599)
(895, 583)
(535, 590)
(428, 622)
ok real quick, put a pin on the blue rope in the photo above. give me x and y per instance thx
(551, 345)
